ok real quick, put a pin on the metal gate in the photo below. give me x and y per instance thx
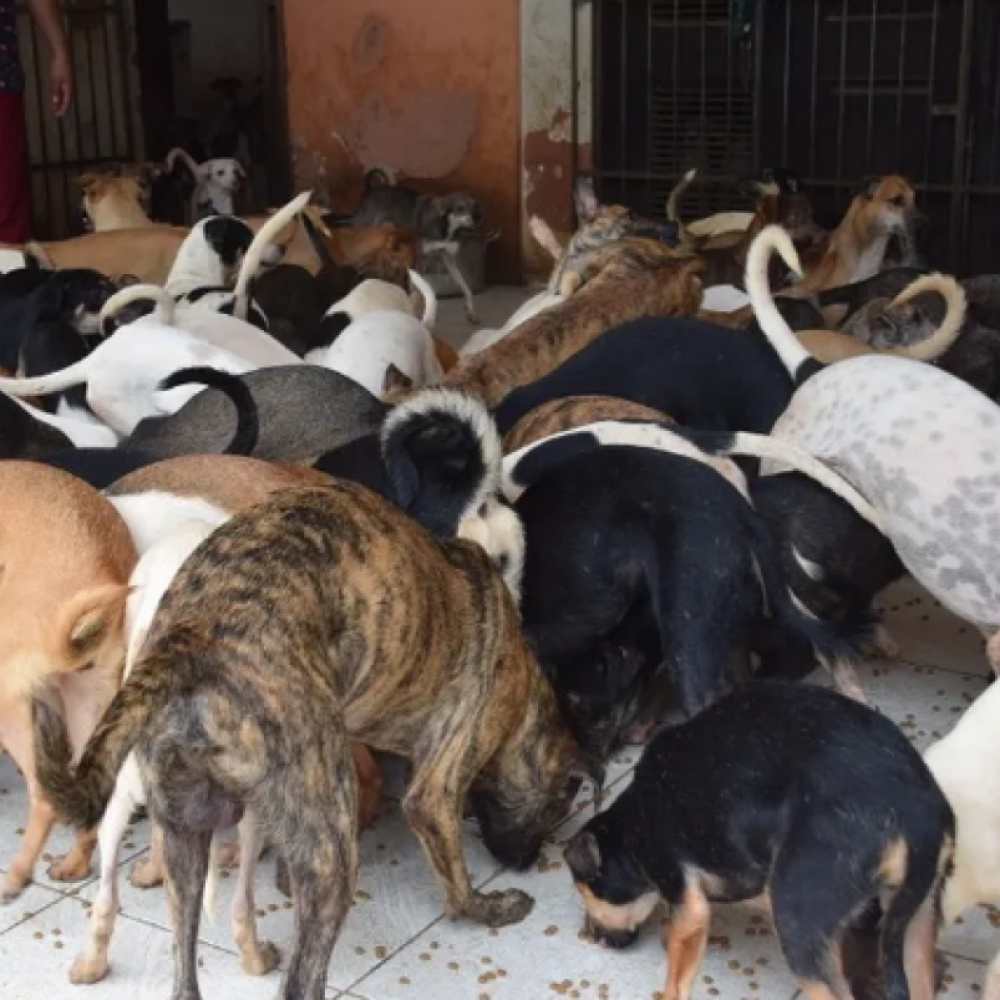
(836, 90)
(100, 125)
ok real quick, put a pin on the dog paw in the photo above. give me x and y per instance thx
(88, 969)
(13, 885)
(228, 855)
(883, 645)
(266, 959)
(499, 909)
(70, 868)
(145, 874)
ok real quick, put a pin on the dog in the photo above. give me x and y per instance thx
(217, 182)
(572, 412)
(843, 810)
(110, 203)
(486, 337)
(66, 560)
(920, 446)
(472, 712)
(303, 411)
(599, 226)
(640, 277)
(596, 559)
(884, 210)
(438, 221)
(963, 764)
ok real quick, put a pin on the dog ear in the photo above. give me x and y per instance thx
(395, 379)
(583, 855)
(869, 186)
(88, 181)
(89, 617)
(585, 198)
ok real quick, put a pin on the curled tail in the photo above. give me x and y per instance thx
(247, 432)
(164, 305)
(176, 154)
(81, 795)
(429, 297)
(674, 201)
(799, 362)
(442, 453)
(951, 326)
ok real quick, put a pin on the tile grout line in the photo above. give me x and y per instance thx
(31, 916)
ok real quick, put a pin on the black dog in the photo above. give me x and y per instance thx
(659, 578)
(779, 788)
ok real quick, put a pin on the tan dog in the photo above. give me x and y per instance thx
(66, 557)
(112, 202)
(574, 411)
(857, 247)
(634, 278)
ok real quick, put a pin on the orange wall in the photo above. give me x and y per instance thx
(431, 87)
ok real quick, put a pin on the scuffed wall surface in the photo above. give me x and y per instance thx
(429, 87)
(547, 87)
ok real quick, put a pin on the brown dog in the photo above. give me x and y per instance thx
(884, 210)
(372, 629)
(634, 278)
(112, 202)
(66, 557)
(574, 411)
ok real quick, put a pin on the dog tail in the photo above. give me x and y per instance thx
(176, 154)
(429, 296)
(442, 454)
(164, 305)
(247, 432)
(674, 201)
(799, 362)
(255, 252)
(951, 326)
(314, 236)
(44, 385)
(80, 796)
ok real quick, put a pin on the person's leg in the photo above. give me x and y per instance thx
(15, 189)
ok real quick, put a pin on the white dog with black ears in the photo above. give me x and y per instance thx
(124, 372)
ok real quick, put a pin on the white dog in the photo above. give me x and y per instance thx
(217, 183)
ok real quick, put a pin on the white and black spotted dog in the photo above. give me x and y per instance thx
(920, 445)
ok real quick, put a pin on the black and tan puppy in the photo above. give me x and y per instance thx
(790, 790)
(314, 618)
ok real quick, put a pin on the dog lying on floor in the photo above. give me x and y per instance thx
(921, 450)
(472, 712)
(839, 807)
(66, 559)
(110, 203)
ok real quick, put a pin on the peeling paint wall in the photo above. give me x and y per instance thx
(547, 87)
(429, 87)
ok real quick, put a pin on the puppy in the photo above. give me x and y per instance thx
(842, 810)
(600, 225)
(574, 411)
(66, 559)
(639, 277)
(217, 182)
(472, 712)
(921, 444)
(964, 765)
(110, 203)
(597, 558)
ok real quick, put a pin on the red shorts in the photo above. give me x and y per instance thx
(15, 188)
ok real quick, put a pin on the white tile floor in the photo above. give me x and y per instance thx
(398, 945)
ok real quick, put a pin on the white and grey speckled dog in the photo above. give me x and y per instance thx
(919, 444)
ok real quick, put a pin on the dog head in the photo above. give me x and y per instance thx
(225, 174)
(123, 194)
(76, 295)
(617, 894)
(601, 224)
(887, 205)
(225, 240)
(458, 213)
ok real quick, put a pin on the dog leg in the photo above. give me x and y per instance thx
(433, 807)
(685, 936)
(991, 987)
(919, 952)
(186, 853)
(993, 652)
(314, 814)
(148, 871)
(91, 966)
(451, 266)
(75, 866)
(257, 958)
(883, 645)
(845, 676)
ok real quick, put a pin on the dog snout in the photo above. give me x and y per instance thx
(607, 938)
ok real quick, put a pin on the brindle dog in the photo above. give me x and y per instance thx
(313, 618)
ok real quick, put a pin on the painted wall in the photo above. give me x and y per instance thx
(429, 87)
(547, 86)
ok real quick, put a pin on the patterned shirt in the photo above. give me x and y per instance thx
(11, 73)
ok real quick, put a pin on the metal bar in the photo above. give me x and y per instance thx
(995, 134)
(597, 93)
(703, 117)
(843, 76)
(959, 201)
(126, 82)
(787, 83)
(871, 86)
(902, 72)
(931, 77)
(649, 101)
(729, 95)
(814, 89)
(623, 91)
(574, 97)
(42, 131)
(760, 13)
(675, 98)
